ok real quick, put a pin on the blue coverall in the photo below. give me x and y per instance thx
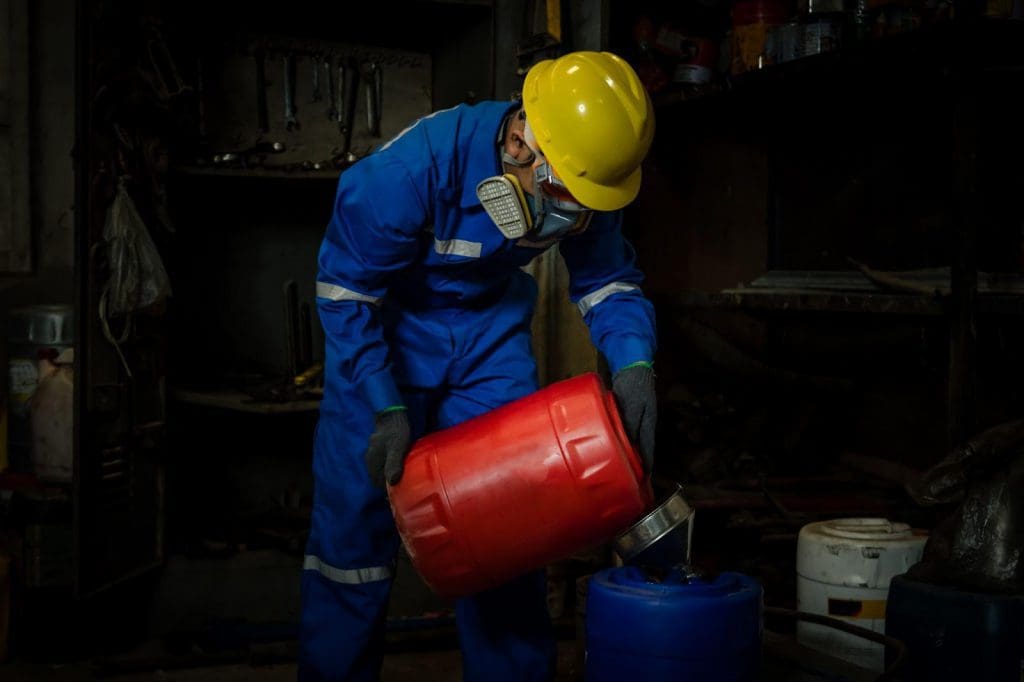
(423, 304)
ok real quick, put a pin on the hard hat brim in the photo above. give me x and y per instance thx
(604, 197)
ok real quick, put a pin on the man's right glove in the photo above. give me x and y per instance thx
(633, 387)
(389, 444)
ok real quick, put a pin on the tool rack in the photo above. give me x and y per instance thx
(237, 202)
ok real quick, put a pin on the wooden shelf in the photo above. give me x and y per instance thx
(804, 291)
(237, 401)
(816, 301)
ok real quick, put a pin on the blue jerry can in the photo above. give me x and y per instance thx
(678, 629)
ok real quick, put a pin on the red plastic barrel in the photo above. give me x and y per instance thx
(532, 482)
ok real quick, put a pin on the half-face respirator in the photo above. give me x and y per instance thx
(548, 213)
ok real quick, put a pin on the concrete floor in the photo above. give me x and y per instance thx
(784, 661)
(421, 666)
(433, 666)
(257, 587)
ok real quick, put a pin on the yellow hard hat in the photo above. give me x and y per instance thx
(594, 123)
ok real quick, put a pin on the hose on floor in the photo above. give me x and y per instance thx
(889, 642)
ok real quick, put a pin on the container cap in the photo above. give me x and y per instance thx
(42, 325)
(867, 529)
(857, 552)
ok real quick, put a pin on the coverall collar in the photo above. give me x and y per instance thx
(484, 157)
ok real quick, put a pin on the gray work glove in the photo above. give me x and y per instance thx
(389, 444)
(634, 392)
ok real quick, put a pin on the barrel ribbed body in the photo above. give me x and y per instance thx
(537, 480)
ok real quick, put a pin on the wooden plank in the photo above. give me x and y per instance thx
(15, 223)
(6, 197)
(5, 54)
(561, 340)
(6, 207)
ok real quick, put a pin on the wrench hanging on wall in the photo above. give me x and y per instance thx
(290, 120)
(262, 116)
(374, 96)
(317, 95)
(348, 74)
(332, 110)
(344, 75)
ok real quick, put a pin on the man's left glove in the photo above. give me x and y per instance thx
(389, 444)
(633, 387)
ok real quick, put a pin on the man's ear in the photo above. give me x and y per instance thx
(515, 146)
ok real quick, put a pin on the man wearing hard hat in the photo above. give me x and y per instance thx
(426, 313)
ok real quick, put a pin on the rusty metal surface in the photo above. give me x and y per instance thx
(980, 544)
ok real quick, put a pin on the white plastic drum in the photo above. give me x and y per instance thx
(843, 571)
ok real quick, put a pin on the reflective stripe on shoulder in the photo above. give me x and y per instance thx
(413, 125)
(337, 293)
(457, 247)
(587, 303)
(346, 576)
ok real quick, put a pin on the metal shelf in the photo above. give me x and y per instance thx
(814, 301)
(800, 291)
(989, 44)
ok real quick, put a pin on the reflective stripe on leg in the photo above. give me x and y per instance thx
(347, 576)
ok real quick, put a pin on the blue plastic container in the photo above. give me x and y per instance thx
(952, 634)
(706, 630)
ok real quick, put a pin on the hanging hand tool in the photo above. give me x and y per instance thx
(200, 103)
(308, 376)
(348, 72)
(374, 92)
(341, 110)
(317, 95)
(262, 118)
(290, 121)
(332, 111)
(166, 81)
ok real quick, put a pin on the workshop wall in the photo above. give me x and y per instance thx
(52, 133)
(459, 72)
(237, 244)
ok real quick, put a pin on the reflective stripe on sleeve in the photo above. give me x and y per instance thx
(337, 293)
(346, 576)
(587, 303)
(457, 247)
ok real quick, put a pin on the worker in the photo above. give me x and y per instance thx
(426, 315)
